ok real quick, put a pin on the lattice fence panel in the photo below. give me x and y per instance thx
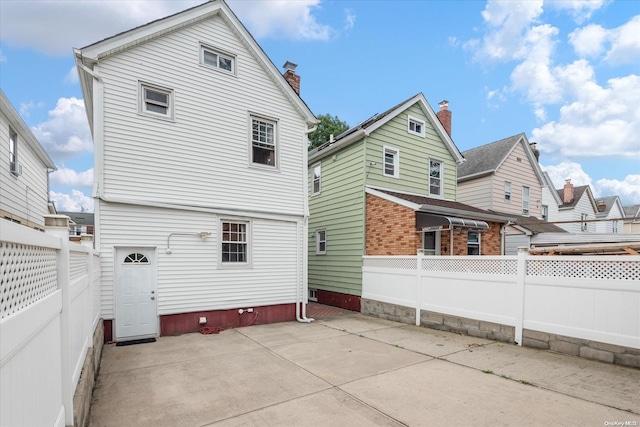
(27, 274)
(476, 265)
(77, 264)
(608, 268)
(401, 263)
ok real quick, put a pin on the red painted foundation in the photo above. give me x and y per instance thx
(184, 323)
(337, 299)
(108, 330)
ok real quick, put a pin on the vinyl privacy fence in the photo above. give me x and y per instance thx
(593, 298)
(49, 309)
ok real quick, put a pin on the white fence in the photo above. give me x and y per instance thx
(593, 298)
(49, 309)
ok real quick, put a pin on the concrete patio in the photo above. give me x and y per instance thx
(354, 370)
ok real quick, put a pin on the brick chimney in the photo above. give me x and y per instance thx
(444, 115)
(601, 206)
(291, 76)
(568, 192)
(535, 150)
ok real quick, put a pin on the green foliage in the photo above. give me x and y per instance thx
(329, 125)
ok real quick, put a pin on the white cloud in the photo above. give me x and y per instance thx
(27, 25)
(72, 76)
(66, 134)
(77, 201)
(350, 19)
(282, 19)
(628, 190)
(567, 170)
(602, 121)
(623, 42)
(508, 23)
(580, 10)
(26, 107)
(72, 178)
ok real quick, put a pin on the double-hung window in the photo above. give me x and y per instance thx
(235, 249)
(316, 175)
(415, 126)
(321, 242)
(391, 162)
(156, 101)
(473, 243)
(525, 201)
(435, 178)
(507, 191)
(583, 224)
(14, 166)
(217, 59)
(263, 142)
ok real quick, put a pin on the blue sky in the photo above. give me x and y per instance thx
(566, 73)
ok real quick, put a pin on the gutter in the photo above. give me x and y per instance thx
(338, 145)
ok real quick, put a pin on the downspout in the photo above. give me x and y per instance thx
(301, 307)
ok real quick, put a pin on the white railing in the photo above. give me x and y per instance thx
(589, 297)
(48, 313)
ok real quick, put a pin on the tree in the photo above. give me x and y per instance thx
(328, 126)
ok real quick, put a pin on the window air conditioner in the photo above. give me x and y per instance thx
(16, 168)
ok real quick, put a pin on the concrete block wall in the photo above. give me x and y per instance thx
(462, 325)
(90, 369)
(382, 310)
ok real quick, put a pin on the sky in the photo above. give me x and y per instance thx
(565, 73)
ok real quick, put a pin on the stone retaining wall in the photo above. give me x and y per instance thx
(610, 353)
(90, 369)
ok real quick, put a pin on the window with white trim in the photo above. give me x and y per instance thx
(473, 243)
(217, 59)
(391, 162)
(435, 178)
(583, 224)
(235, 242)
(156, 101)
(321, 242)
(525, 201)
(263, 142)
(507, 191)
(14, 166)
(316, 176)
(545, 212)
(415, 126)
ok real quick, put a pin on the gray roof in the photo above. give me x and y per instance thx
(80, 218)
(631, 211)
(608, 202)
(577, 194)
(487, 158)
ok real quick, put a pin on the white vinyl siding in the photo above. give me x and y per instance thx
(24, 197)
(583, 206)
(201, 158)
(190, 279)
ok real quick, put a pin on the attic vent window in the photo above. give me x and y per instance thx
(416, 126)
(217, 59)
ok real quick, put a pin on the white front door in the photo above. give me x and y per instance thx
(135, 292)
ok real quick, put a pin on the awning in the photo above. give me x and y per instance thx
(431, 222)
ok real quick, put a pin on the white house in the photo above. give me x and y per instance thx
(609, 208)
(200, 176)
(24, 171)
(579, 206)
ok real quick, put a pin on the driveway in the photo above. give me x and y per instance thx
(355, 370)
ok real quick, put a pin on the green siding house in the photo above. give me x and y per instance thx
(387, 186)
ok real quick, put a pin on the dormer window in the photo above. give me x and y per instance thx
(218, 59)
(416, 126)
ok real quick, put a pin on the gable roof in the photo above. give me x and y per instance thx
(609, 203)
(21, 128)
(535, 225)
(577, 195)
(631, 211)
(88, 56)
(487, 159)
(549, 184)
(374, 122)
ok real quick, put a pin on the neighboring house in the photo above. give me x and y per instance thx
(609, 212)
(24, 171)
(525, 231)
(80, 223)
(632, 219)
(387, 186)
(200, 176)
(550, 199)
(503, 176)
(578, 209)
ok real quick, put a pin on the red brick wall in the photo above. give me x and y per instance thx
(391, 230)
